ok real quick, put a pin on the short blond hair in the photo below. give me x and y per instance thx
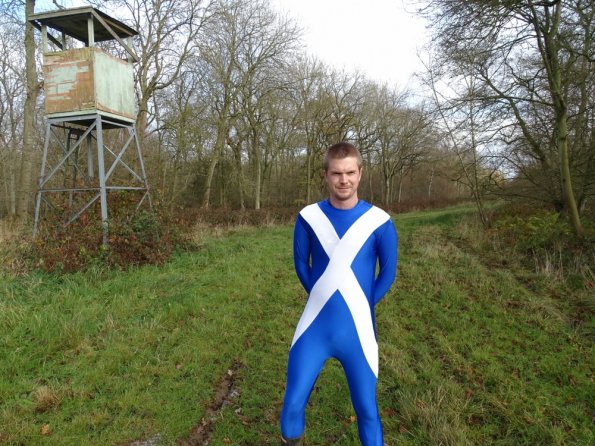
(342, 150)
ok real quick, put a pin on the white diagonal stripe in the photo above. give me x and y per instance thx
(322, 227)
(338, 275)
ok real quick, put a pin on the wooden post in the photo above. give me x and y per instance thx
(91, 31)
(129, 42)
(44, 39)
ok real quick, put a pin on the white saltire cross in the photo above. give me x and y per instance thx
(338, 275)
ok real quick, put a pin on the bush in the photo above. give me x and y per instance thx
(134, 238)
(545, 240)
(543, 230)
(139, 239)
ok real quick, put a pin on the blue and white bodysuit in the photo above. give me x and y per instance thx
(335, 254)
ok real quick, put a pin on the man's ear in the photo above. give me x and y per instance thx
(322, 173)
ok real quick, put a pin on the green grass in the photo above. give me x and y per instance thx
(470, 355)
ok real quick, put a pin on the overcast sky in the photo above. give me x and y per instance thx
(380, 38)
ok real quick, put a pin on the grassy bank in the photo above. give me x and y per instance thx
(196, 349)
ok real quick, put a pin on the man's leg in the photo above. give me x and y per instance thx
(306, 359)
(362, 386)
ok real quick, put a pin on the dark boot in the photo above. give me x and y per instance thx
(293, 442)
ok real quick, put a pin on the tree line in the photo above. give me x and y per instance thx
(234, 113)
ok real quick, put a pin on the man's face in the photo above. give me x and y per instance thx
(342, 177)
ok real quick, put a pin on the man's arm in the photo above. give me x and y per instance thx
(301, 253)
(387, 260)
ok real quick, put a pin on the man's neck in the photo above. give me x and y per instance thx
(344, 205)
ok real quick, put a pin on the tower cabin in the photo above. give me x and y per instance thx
(86, 80)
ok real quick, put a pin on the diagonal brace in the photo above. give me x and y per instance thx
(70, 152)
(118, 158)
(124, 164)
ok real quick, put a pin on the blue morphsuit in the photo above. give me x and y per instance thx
(336, 253)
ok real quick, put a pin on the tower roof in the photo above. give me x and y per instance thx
(73, 23)
(86, 24)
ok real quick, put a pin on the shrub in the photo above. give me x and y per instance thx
(135, 238)
(542, 230)
(545, 240)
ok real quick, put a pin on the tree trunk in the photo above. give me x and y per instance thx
(430, 184)
(371, 185)
(12, 192)
(257, 169)
(142, 120)
(550, 54)
(174, 184)
(562, 140)
(309, 176)
(386, 190)
(258, 184)
(210, 174)
(24, 192)
(237, 151)
(222, 134)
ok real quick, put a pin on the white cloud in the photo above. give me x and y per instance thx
(378, 37)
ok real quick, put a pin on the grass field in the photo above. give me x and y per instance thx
(195, 351)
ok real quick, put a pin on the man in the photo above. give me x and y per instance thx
(337, 245)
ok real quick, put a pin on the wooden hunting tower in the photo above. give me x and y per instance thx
(87, 91)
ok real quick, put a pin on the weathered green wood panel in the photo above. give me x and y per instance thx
(68, 81)
(88, 80)
(114, 85)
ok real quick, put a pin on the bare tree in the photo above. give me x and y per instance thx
(183, 110)
(25, 182)
(218, 49)
(308, 78)
(12, 92)
(261, 62)
(244, 45)
(521, 54)
(466, 128)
